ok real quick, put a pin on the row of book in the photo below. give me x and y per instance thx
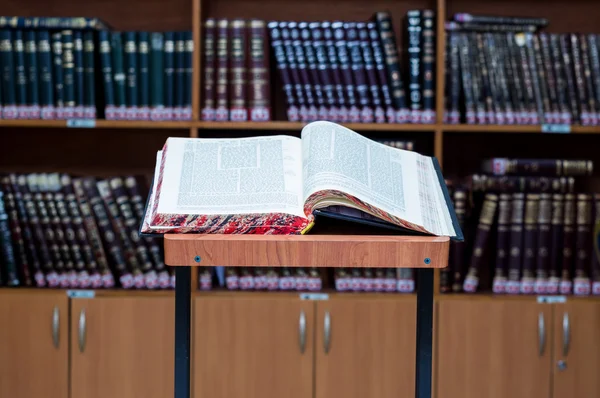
(529, 227)
(58, 231)
(501, 71)
(308, 279)
(147, 75)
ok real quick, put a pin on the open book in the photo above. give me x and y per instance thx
(276, 184)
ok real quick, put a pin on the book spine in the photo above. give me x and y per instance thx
(541, 167)
(500, 56)
(188, 74)
(583, 245)
(68, 66)
(458, 260)
(584, 111)
(543, 243)
(303, 73)
(380, 67)
(428, 67)
(46, 83)
(561, 84)
(222, 105)
(542, 80)
(341, 46)
(169, 75)
(68, 273)
(179, 75)
(567, 73)
(26, 228)
(392, 60)
(110, 111)
(502, 244)
(464, 53)
(367, 112)
(119, 76)
(568, 244)
(135, 197)
(20, 75)
(238, 111)
(595, 68)
(209, 65)
(486, 220)
(88, 275)
(325, 69)
(78, 277)
(522, 43)
(131, 76)
(550, 77)
(9, 108)
(31, 65)
(556, 244)
(486, 84)
(147, 249)
(371, 72)
(477, 82)
(42, 248)
(315, 79)
(284, 72)
(157, 74)
(478, 27)
(18, 235)
(143, 77)
(413, 19)
(142, 269)
(514, 79)
(538, 93)
(334, 72)
(259, 100)
(516, 242)
(79, 74)
(108, 233)
(529, 243)
(52, 23)
(588, 80)
(290, 56)
(498, 20)
(595, 273)
(95, 232)
(7, 253)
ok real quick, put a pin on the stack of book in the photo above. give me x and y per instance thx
(58, 231)
(147, 75)
(501, 70)
(235, 75)
(47, 67)
(273, 279)
(530, 224)
(352, 71)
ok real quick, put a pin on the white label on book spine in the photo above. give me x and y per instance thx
(314, 296)
(556, 128)
(81, 293)
(551, 299)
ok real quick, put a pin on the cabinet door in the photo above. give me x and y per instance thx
(34, 350)
(128, 347)
(250, 347)
(366, 347)
(493, 349)
(576, 337)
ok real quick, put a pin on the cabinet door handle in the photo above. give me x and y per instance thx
(541, 333)
(55, 327)
(566, 334)
(82, 330)
(327, 332)
(302, 331)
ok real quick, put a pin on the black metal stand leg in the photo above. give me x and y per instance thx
(424, 333)
(183, 305)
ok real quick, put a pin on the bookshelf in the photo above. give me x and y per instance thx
(117, 147)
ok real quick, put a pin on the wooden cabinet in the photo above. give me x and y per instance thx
(493, 348)
(122, 347)
(252, 347)
(34, 352)
(365, 348)
(576, 362)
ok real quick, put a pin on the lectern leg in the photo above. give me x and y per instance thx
(183, 305)
(424, 332)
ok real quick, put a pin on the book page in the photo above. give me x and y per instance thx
(402, 183)
(232, 176)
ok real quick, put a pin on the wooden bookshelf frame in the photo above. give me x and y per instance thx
(189, 14)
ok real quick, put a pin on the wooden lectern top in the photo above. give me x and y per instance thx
(313, 250)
